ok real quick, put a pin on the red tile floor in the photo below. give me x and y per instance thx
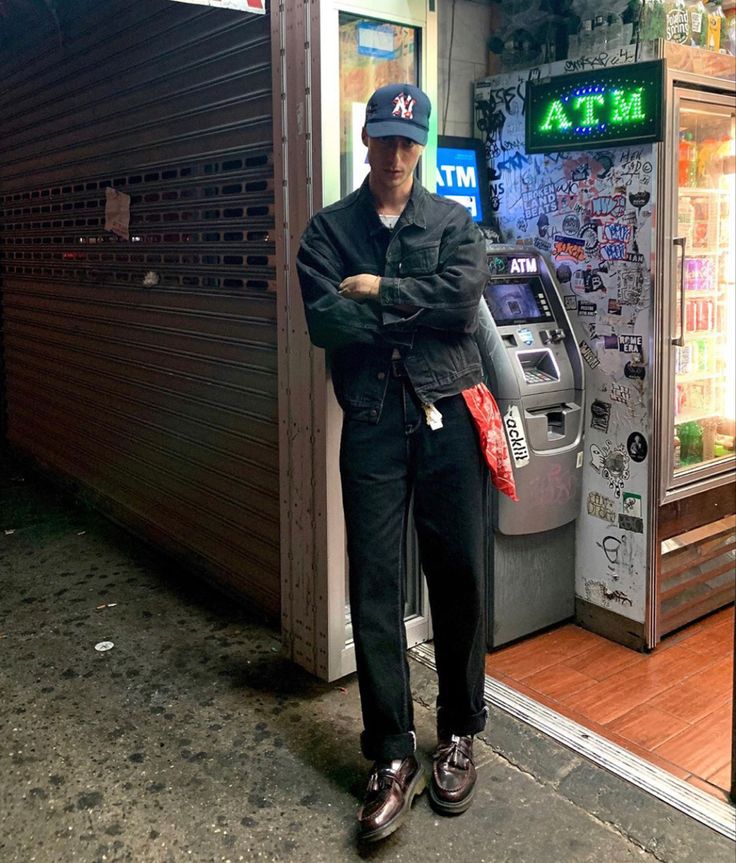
(671, 707)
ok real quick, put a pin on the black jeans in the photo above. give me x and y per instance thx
(381, 465)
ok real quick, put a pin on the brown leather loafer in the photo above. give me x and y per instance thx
(391, 791)
(453, 775)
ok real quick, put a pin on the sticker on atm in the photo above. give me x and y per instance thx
(526, 336)
(516, 438)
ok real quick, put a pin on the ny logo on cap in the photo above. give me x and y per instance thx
(404, 107)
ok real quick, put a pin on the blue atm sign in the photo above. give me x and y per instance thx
(458, 178)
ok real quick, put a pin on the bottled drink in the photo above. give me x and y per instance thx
(704, 356)
(697, 24)
(696, 443)
(691, 316)
(691, 442)
(683, 360)
(686, 219)
(715, 25)
(685, 433)
(676, 21)
(728, 45)
(706, 162)
(709, 439)
(728, 27)
(687, 160)
(708, 319)
(677, 450)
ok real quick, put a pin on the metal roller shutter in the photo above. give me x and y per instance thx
(162, 401)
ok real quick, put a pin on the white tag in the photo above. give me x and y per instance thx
(515, 434)
(579, 461)
(433, 417)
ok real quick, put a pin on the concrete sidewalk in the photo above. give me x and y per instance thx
(192, 739)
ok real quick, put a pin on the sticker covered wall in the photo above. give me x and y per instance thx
(591, 213)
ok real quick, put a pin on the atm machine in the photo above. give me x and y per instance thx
(536, 376)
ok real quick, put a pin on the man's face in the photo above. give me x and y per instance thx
(392, 161)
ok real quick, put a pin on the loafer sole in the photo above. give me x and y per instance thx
(449, 807)
(416, 787)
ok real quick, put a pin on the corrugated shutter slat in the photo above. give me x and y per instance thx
(160, 400)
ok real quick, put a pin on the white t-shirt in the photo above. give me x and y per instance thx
(388, 221)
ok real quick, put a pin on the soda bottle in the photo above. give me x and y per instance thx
(703, 356)
(696, 443)
(687, 164)
(685, 209)
(677, 449)
(728, 37)
(706, 316)
(691, 323)
(676, 21)
(707, 161)
(685, 433)
(697, 24)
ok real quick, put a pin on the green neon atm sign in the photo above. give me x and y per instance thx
(600, 108)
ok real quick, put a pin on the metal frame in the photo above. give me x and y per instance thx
(719, 473)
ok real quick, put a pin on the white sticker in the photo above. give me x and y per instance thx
(579, 462)
(515, 434)
(256, 6)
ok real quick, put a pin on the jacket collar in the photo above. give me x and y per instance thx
(413, 213)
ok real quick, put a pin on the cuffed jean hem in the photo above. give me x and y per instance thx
(461, 726)
(388, 748)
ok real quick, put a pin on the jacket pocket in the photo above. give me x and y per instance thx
(420, 261)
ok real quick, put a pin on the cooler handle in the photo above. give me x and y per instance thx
(680, 340)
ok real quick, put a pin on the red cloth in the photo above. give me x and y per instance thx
(487, 416)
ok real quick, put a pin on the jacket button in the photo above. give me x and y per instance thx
(381, 375)
(374, 413)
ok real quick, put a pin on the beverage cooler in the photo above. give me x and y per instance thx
(700, 365)
(695, 571)
(621, 172)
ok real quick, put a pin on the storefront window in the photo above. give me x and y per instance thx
(372, 53)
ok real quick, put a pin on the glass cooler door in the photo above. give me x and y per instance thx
(702, 408)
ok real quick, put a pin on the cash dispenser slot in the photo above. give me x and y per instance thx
(538, 367)
(552, 423)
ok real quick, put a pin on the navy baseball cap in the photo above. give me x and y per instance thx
(398, 109)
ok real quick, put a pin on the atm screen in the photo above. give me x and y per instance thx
(522, 302)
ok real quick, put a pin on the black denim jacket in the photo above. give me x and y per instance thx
(433, 270)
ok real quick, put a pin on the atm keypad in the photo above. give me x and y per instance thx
(535, 376)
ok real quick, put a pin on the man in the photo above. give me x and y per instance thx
(391, 279)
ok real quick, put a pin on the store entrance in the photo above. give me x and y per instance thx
(671, 708)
